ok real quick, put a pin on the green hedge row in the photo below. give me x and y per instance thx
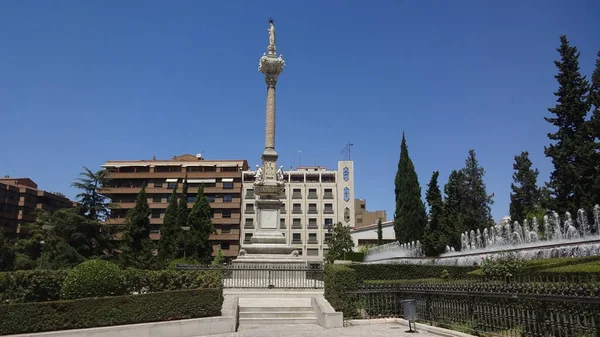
(409, 271)
(339, 279)
(107, 311)
(354, 256)
(45, 285)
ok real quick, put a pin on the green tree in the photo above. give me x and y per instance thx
(87, 236)
(594, 102)
(478, 204)
(219, 258)
(92, 203)
(456, 191)
(198, 243)
(435, 237)
(182, 216)
(379, 232)
(136, 245)
(410, 218)
(340, 243)
(572, 147)
(170, 231)
(7, 254)
(525, 197)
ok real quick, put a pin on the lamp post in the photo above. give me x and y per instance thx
(42, 243)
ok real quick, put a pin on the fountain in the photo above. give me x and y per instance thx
(564, 238)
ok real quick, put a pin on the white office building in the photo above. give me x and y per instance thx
(315, 199)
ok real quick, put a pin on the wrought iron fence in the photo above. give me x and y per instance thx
(265, 277)
(487, 313)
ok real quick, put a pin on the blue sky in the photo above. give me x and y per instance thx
(82, 82)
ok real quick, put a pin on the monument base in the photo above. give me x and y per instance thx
(277, 270)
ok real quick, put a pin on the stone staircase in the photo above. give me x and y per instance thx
(276, 311)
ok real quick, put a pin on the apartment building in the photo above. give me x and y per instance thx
(315, 199)
(19, 197)
(367, 218)
(222, 180)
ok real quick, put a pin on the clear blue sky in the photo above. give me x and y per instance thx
(82, 82)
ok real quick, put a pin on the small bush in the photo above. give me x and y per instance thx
(93, 278)
(175, 262)
(408, 271)
(23, 262)
(506, 266)
(98, 312)
(445, 274)
(31, 286)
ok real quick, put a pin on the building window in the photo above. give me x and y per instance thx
(312, 223)
(226, 213)
(327, 237)
(191, 198)
(296, 193)
(296, 223)
(155, 213)
(312, 208)
(249, 223)
(158, 184)
(211, 198)
(328, 209)
(157, 198)
(224, 245)
(227, 198)
(227, 186)
(297, 209)
(346, 174)
(247, 237)
(282, 223)
(250, 193)
(171, 185)
(312, 238)
(155, 229)
(249, 209)
(328, 193)
(283, 211)
(296, 238)
(312, 193)
(225, 229)
(346, 194)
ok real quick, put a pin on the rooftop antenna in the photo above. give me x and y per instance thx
(346, 151)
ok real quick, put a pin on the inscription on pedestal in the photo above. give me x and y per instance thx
(268, 218)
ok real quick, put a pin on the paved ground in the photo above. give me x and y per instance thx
(313, 330)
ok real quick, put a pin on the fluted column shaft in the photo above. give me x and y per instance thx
(270, 121)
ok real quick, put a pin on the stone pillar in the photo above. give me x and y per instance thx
(270, 122)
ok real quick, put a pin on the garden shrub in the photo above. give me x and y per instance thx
(31, 285)
(150, 281)
(505, 266)
(339, 281)
(175, 262)
(23, 262)
(107, 311)
(93, 278)
(354, 256)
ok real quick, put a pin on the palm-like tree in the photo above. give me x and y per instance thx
(93, 204)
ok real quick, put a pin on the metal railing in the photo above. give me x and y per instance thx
(264, 277)
(485, 312)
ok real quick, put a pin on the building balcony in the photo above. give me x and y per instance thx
(226, 221)
(249, 211)
(249, 196)
(328, 211)
(296, 226)
(313, 196)
(312, 211)
(297, 211)
(296, 196)
(182, 174)
(312, 227)
(224, 237)
(327, 196)
(296, 242)
(312, 242)
(283, 211)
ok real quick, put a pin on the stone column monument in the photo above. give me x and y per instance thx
(268, 248)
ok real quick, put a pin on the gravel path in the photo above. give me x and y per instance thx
(313, 330)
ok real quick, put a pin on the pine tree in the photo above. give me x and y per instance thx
(7, 254)
(457, 192)
(435, 237)
(198, 244)
(526, 195)
(594, 102)
(410, 218)
(379, 232)
(571, 149)
(340, 244)
(137, 228)
(478, 204)
(170, 231)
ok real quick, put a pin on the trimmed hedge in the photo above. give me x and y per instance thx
(45, 285)
(108, 311)
(93, 278)
(339, 279)
(409, 271)
(354, 256)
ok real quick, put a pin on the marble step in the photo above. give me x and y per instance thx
(275, 309)
(277, 320)
(277, 314)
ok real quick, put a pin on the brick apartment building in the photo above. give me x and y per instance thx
(222, 180)
(19, 197)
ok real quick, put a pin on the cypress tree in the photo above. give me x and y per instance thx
(571, 148)
(410, 218)
(435, 238)
(457, 192)
(137, 228)
(198, 244)
(525, 197)
(594, 102)
(182, 217)
(379, 232)
(170, 231)
(478, 204)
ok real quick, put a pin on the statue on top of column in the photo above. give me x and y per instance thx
(271, 30)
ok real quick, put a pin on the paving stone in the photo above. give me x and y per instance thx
(313, 330)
